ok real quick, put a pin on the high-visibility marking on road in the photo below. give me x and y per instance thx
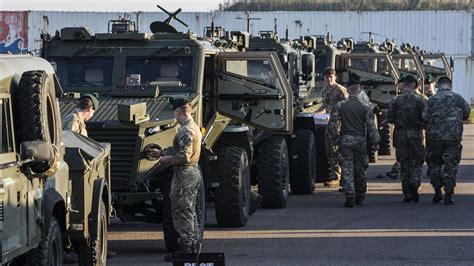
(262, 234)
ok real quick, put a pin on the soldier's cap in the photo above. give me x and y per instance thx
(95, 101)
(444, 79)
(178, 102)
(401, 78)
(429, 79)
(354, 79)
(329, 71)
(410, 79)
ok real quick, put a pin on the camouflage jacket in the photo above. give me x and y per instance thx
(356, 119)
(405, 110)
(186, 147)
(445, 114)
(75, 123)
(332, 96)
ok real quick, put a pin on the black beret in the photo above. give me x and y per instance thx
(410, 79)
(444, 79)
(329, 71)
(178, 102)
(354, 79)
(429, 79)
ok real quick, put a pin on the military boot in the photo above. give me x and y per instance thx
(359, 199)
(414, 193)
(438, 195)
(350, 202)
(255, 201)
(448, 199)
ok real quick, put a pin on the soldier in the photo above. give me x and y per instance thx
(445, 114)
(430, 88)
(84, 111)
(184, 156)
(356, 123)
(405, 112)
(393, 174)
(331, 94)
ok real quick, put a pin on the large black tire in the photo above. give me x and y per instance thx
(36, 114)
(169, 232)
(273, 172)
(385, 131)
(95, 252)
(50, 250)
(232, 203)
(303, 167)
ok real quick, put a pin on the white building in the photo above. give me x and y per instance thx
(451, 32)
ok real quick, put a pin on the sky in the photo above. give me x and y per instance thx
(109, 5)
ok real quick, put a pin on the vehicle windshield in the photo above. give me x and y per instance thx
(374, 65)
(83, 71)
(162, 71)
(405, 64)
(321, 64)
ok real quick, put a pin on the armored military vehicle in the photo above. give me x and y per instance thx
(54, 185)
(297, 59)
(135, 73)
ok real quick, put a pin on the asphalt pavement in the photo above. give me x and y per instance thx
(316, 229)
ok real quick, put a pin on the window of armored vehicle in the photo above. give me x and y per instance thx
(6, 124)
(83, 71)
(321, 65)
(162, 71)
(256, 69)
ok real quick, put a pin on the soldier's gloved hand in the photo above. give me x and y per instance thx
(152, 152)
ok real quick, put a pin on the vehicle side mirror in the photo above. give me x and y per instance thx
(451, 62)
(37, 151)
(308, 65)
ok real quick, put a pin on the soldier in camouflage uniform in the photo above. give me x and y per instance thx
(84, 111)
(184, 157)
(331, 94)
(445, 114)
(357, 121)
(430, 88)
(405, 112)
(393, 174)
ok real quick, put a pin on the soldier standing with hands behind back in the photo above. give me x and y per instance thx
(445, 114)
(405, 112)
(331, 94)
(356, 123)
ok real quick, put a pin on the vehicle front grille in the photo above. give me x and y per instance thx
(123, 145)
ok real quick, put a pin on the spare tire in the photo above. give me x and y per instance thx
(36, 114)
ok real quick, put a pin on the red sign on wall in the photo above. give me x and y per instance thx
(13, 31)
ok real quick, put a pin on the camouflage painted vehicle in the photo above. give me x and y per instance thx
(54, 185)
(135, 73)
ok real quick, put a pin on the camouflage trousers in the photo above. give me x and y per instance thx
(353, 158)
(184, 188)
(331, 153)
(411, 153)
(443, 158)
